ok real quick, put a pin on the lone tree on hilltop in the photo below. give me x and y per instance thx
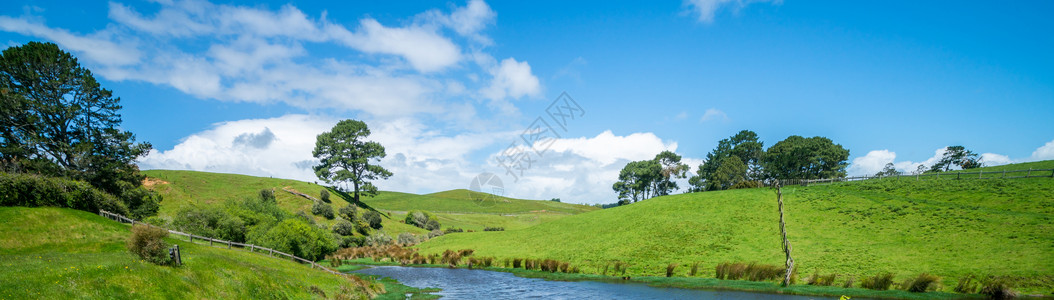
(345, 156)
(956, 156)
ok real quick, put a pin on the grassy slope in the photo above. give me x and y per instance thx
(948, 228)
(186, 187)
(59, 253)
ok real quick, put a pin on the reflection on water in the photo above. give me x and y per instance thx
(480, 284)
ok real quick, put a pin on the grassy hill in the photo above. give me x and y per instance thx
(55, 253)
(950, 228)
(453, 208)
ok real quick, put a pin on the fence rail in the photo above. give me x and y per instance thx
(1002, 174)
(217, 242)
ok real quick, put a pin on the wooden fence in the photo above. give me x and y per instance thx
(1030, 173)
(220, 243)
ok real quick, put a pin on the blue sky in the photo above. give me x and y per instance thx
(448, 86)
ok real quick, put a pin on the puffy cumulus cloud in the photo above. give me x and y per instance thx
(581, 170)
(512, 79)
(875, 160)
(261, 55)
(1044, 152)
(278, 147)
(705, 10)
(871, 163)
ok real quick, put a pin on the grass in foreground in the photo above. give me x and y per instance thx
(947, 228)
(54, 253)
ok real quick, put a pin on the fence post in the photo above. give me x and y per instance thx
(1004, 173)
(252, 247)
(1029, 173)
(210, 241)
(228, 244)
(980, 174)
(958, 175)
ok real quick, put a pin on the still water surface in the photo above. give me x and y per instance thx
(480, 284)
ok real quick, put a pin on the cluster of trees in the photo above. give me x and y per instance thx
(56, 120)
(645, 179)
(740, 161)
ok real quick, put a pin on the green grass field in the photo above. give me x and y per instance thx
(453, 208)
(56, 253)
(949, 228)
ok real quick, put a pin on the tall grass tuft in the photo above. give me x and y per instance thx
(848, 282)
(694, 270)
(669, 269)
(517, 262)
(879, 282)
(920, 284)
(966, 285)
(148, 243)
(997, 288)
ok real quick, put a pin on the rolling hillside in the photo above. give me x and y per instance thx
(453, 208)
(949, 228)
(56, 253)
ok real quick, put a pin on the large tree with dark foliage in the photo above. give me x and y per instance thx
(645, 179)
(806, 158)
(56, 120)
(345, 155)
(735, 159)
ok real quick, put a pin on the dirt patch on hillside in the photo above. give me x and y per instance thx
(151, 182)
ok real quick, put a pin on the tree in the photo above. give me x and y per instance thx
(888, 170)
(58, 121)
(748, 153)
(919, 170)
(670, 167)
(345, 156)
(956, 156)
(635, 181)
(806, 158)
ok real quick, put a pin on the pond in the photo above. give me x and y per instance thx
(480, 284)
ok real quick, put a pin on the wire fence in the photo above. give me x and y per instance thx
(981, 174)
(220, 243)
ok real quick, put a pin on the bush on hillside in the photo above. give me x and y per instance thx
(997, 288)
(349, 212)
(453, 230)
(379, 239)
(267, 195)
(296, 237)
(422, 219)
(488, 228)
(210, 221)
(343, 227)
(148, 243)
(435, 233)
(34, 190)
(324, 195)
(352, 241)
(303, 216)
(407, 238)
(320, 208)
(373, 218)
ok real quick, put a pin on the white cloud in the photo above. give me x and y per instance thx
(871, 163)
(705, 10)
(1044, 152)
(714, 114)
(512, 79)
(261, 55)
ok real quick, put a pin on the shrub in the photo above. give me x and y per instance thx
(303, 216)
(210, 221)
(35, 190)
(669, 269)
(267, 195)
(349, 212)
(966, 285)
(746, 185)
(453, 230)
(373, 218)
(320, 208)
(352, 241)
(343, 227)
(407, 238)
(324, 195)
(362, 227)
(920, 284)
(435, 233)
(879, 282)
(997, 288)
(296, 237)
(378, 239)
(488, 228)
(432, 225)
(148, 243)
